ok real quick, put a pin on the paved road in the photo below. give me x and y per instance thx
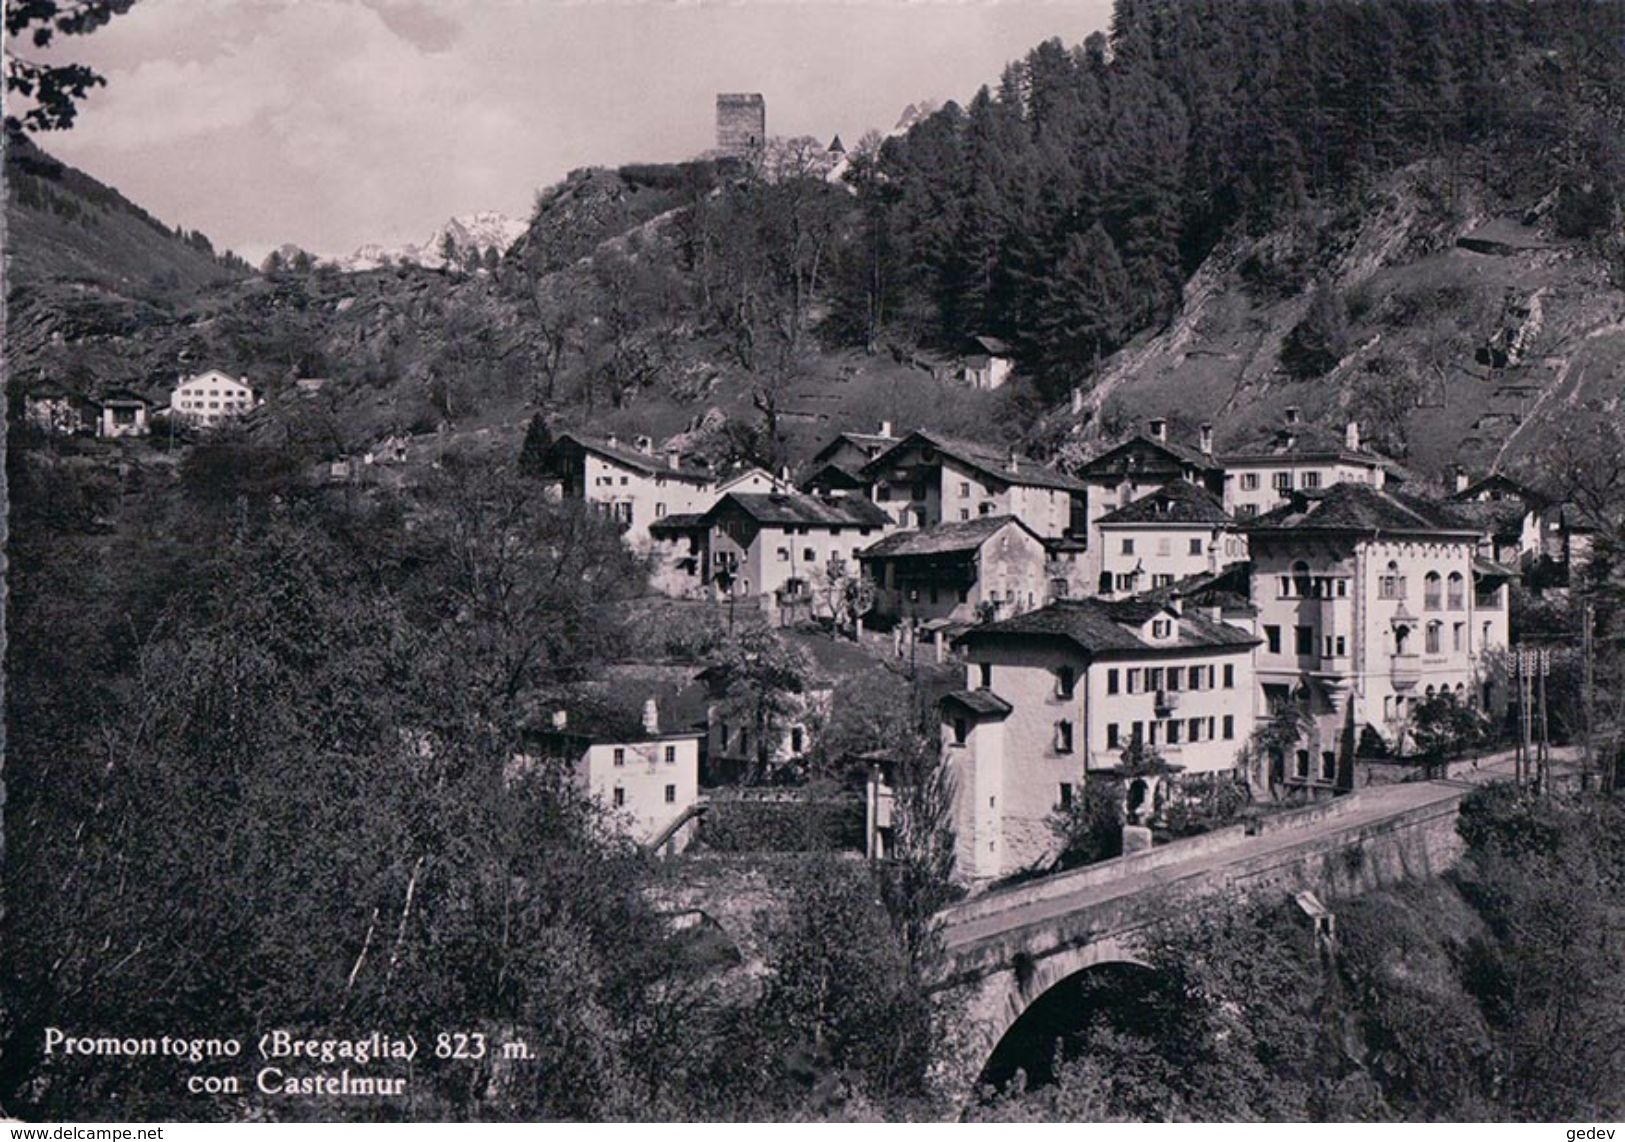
(1374, 805)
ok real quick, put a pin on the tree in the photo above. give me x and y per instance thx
(1090, 828)
(55, 90)
(274, 263)
(762, 679)
(533, 453)
(492, 260)
(1442, 726)
(1321, 340)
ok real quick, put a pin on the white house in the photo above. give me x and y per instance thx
(987, 363)
(1057, 694)
(630, 482)
(646, 775)
(927, 478)
(1369, 601)
(208, 398)
(1298, 457)
(1177, 531)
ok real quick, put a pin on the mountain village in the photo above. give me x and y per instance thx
(823, 625)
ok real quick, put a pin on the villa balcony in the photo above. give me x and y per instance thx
(1167, 700)
(1406, 671)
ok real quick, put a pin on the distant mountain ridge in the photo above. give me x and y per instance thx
(479, 231)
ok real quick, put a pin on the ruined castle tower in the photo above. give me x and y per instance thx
(741, 123)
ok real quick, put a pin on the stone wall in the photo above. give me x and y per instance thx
(741, 123)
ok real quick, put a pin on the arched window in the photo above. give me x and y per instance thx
(1457, 592)
(1402, 639)
(1432, 586)
(1431, 645)
(1392, 584)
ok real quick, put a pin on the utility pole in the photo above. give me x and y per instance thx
(1545, 738)
(1586, 652)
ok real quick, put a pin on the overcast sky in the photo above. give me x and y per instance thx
(329, 123)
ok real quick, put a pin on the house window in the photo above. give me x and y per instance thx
(1301, 765)
(1246, 511)
(1196, 547)
(660, 511)
(964, 489)
(1063, 737)
(797, 739)
(1111, 681)
(1162, 581)
(1311, 479)
(964, 514)
(1161, 628)
(1194, 728)
(1432, 591)
(1272, 638)
(1137, 732)
(671, 794)
(671, 755)
(1128, 547)
(1457, 594)
(1176, 677)
(1432, 639)
(808, 555)
(784, 555)
(1249, 481)
(1328, 765)
(624, 481)
(1066, 795)
(1229, 676)
(619, 797)
(1066, 681)
(1174, 730)
(986, 671)
(1283, 481)
(1229, 727)
(1111, 735)
(1164, 546)
(619, 756)
(961, 731)
(1153, 678)
(1303, 640)
(1392, 584)
(723, 726)
(1125, 582)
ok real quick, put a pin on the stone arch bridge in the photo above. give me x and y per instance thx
(1005, 949)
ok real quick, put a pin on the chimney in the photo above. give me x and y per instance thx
(674, 459)
(612, 440)
(1351, 436)
(1158, 428)
(1461, 479)
(651, 716)
(1291, 414)
(1176, 603)
(1206, 439)
(561, 719)
(1015, 460)
(885, 429)
(784, 473)
(646, 445)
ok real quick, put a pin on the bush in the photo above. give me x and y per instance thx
(1318, 342)
(1091, 828)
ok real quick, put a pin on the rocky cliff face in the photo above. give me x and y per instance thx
(1467, 336)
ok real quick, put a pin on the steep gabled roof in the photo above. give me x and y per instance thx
(1501, 482)
(943, 539)
(638, 461)
(870, 443)
(833, 475)
(992, 346)
(983, 458)
(799, 509)
(1098, 627)
(1178, 455)
(1361, 509)
(1302, 442)
(1178, 501)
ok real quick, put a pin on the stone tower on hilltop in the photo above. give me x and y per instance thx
(741, 123)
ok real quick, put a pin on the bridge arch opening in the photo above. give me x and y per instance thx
(1056, 1026)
